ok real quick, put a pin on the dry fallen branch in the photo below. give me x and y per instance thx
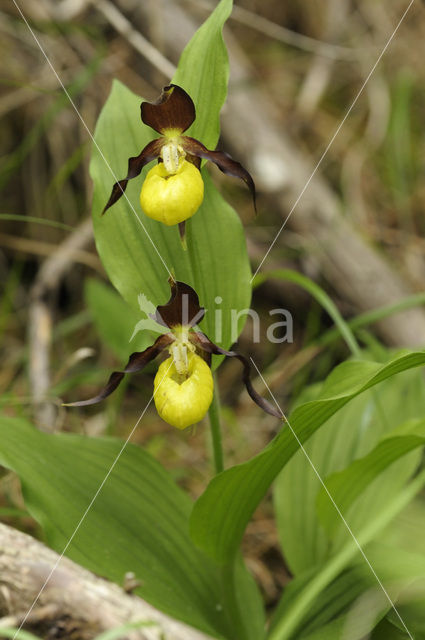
(75, 601)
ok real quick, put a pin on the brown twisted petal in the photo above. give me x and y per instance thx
(137, 362)
(174, 109)
(194, 160)
(203, 342)
(224, 162)
(182, 308)
(135, 166)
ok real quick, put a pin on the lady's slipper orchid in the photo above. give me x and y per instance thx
(171, 199)
(183, 386)
(174, 191)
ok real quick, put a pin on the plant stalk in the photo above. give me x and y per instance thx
(214, 417)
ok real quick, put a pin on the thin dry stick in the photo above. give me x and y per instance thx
(134, 37)
(319, 74)
(40, 319)
(37, 247)
(278, 32)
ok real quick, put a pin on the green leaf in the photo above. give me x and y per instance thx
(33, 219)
(413, 612)
(138, 252)
(138, 522)
(7, 632)
(299, 608)
(385, 631)
(358, 629)
(117, 633)
(406, 531)
(354, 603)
(363, 602)
(115, 320)
(334, 600)
(244, 600)
(221, 514)
(203, 72)
(324, 617)
(332, 631)
(352, 433)
(249, 602)
(409, 568)
(347, 485)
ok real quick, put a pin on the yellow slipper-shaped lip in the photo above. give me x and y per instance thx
(183, 403)
(172, 198)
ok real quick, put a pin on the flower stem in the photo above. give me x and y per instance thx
(214, 416)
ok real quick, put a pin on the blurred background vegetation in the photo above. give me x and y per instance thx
(62, 326)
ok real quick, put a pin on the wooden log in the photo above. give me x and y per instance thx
(74, 601)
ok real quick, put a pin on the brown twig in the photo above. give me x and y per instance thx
(319, 74)
(36, 247)
(117, 19)
(40, 319)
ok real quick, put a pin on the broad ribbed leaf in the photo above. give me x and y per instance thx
(351, 434)
(220, 515)
(328, 612)
(346, 486)
(138, 522)
(406, 531)
(355, 602)
(398, 573)
(337, 607)
(384, 631)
